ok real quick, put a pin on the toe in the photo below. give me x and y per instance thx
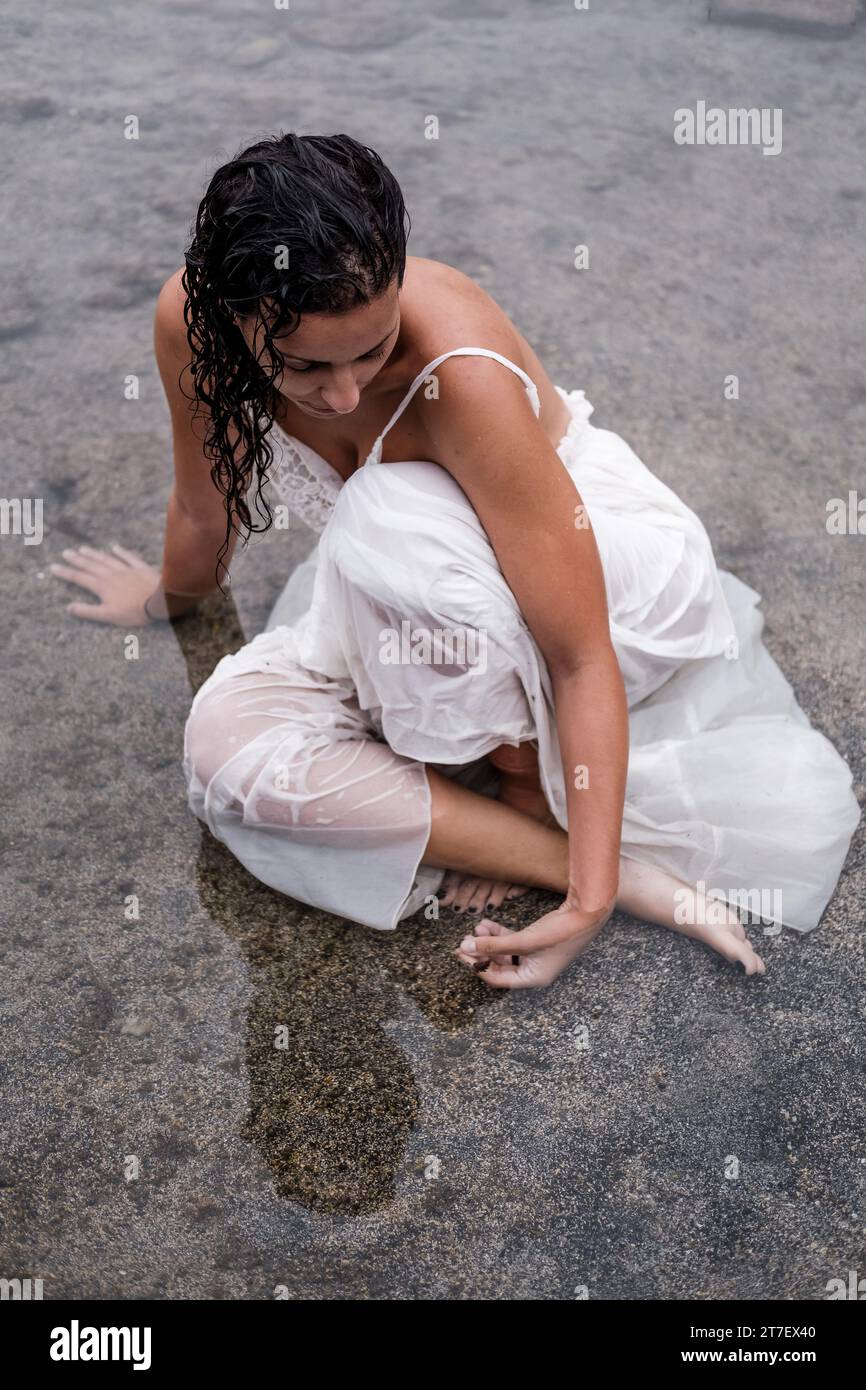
(465, 893)
(480, 897)
(496, 896)
(450, 883)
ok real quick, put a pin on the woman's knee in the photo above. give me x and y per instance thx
(206, 743)
(288, 773)
(223, 722)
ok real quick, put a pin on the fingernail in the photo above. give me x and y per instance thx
(481, 965)
(468, 944)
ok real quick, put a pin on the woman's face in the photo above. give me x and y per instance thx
(330, 358)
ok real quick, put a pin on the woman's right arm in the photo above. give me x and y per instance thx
(122, 581)
(195, 527)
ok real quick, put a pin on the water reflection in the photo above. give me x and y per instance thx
(330, 1112)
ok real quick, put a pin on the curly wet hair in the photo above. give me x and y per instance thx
(294, 224)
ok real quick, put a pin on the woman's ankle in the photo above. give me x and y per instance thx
(520, 781)
(519, 764)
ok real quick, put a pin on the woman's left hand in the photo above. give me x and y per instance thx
(543, 950)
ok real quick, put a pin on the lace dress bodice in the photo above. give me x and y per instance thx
(303, 480)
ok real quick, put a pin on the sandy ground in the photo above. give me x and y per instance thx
(421, 1137)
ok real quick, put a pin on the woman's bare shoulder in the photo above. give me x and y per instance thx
(451, 310)
(169, 325)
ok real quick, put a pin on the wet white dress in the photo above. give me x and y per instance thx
(304, 751)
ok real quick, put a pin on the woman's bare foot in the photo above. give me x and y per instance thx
(729, 939)
(467, 894)
(657, 897)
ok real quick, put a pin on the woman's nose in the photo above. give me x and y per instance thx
(341, 392)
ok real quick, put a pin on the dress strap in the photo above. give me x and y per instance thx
(375, 455)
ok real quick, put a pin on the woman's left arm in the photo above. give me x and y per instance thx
(485, 433)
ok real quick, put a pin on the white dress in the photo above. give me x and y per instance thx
(304, 751)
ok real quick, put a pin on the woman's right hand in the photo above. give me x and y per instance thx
(532, 957)
(121, 581)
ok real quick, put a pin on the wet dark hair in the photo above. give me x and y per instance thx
(294, 224)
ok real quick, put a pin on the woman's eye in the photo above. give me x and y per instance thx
(370, 357)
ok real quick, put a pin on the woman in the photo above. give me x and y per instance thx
(501, 592)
